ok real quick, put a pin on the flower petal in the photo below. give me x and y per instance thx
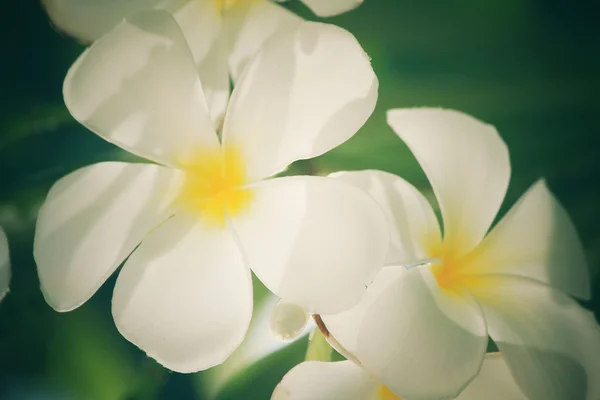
(314, 380)
(467, 164)
(304, 93)
(494, 382)
(288, 321)
(248, 25)
(214, 75)
(185, 295)
(91, 221)
(329, 8)
(87, 20)
(138, 87)
(4, 265)
(549, 342)
(412, 221)
(200, 22)
(537, 240)
(413, 334)
(307, 237)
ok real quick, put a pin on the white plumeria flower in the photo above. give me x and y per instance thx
(430, 322)
(344, 380)
(209, 213)
(4, 265)
(222, 34)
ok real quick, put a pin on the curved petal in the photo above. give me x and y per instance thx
(304, 93)
(248, 25)
(307, 237)
(214, 75)
(413, 225)
(91, 221)
(185, 296)
(467, 164)
(314, 380)
(549, 342)
(494, 382)
(288, 321)
(413, 334)
(536, 239)
(329, 8)
(4, 265)
(138, 88)
(87, 20)
(200, 22)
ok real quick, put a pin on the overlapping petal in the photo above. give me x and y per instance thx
(185, 296)
(413, 224)
(329, 8)
(412, 334)
(87, 20)
(91, 221)
(313, 380)
(494, 382)
(303, 94)
(536, 239)
(467, 164)
(138, 87)
(248, 25)
(549, 342)
(4, 265)
(309, 237)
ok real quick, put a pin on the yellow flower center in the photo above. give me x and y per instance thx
(214, 185)
(224, 5)
(386, 394)
(455, 273)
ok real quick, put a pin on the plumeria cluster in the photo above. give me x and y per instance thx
(410, 304)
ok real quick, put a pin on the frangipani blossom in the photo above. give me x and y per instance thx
(4, 265)
(222, 34)
(344, 380)
(208, 214)
(423, 330)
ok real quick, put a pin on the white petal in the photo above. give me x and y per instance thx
(214, 75)
(304, 93)
(412, 221)
(536, 239)
(549, 342)
(138, 87)
(248, 25)
(90, 222)
(200, 22)
(288, 321)
(413, 334)
(87, 20)
(184, 296)
(494, 382)
(329, 8)
(309, 237)
(467, 164)
(313, 380)
(4, 265)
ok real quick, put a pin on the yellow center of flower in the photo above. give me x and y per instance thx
(455, 273)
(214, 185)
(385, 393)
(224, 5)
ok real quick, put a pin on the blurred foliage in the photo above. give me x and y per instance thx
(530, 67)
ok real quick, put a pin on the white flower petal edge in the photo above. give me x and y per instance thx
(4, 265)
(185, 295)
(91, 221)
(550, 343)
(87, 20)
(329, 8)
(306, 92)
(409, 230)
(247, 26)
(138, 88)
(345, 380)
(313, 380)
(411, 319)
(460, 155)
(543, 244)
(306, 238)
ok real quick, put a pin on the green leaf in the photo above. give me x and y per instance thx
(318, 348)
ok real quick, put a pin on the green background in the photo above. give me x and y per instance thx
(530, 67)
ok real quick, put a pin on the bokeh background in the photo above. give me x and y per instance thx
(530, 67)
